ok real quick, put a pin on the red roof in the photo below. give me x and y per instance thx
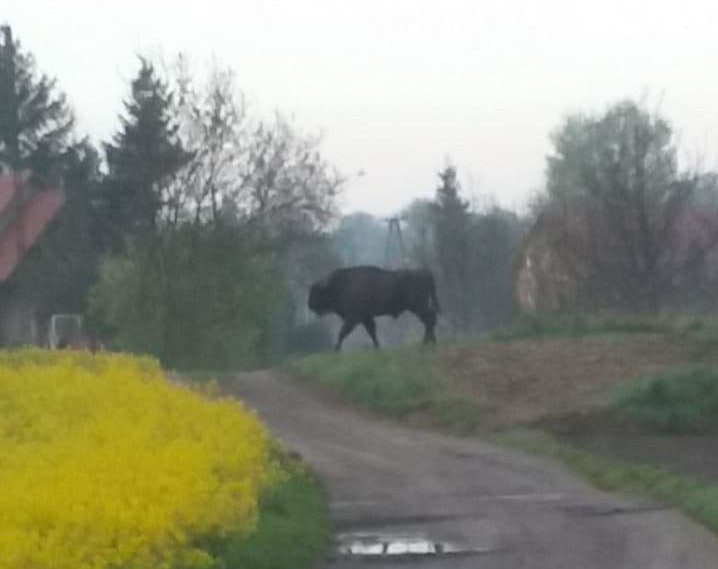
(20, 228)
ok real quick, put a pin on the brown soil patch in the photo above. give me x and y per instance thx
(523, 382)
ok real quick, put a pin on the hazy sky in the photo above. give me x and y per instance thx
(399, 86)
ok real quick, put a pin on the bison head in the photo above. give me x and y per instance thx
(320, 300)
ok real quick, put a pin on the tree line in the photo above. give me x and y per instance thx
(194, 231)
(180, 233)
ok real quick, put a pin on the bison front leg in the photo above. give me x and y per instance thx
(347, 327)
(370, 326)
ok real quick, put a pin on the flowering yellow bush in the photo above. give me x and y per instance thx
(105, 464)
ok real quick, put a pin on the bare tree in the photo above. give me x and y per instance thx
(618, 174)
(287, 186)
(262, 173)
(212, 122)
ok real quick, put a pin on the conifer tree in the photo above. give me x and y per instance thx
(35, 121)
(452, 233)
(143, 155)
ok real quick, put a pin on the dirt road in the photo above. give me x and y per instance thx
(400, 496)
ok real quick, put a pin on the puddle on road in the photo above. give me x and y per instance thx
(376, 545)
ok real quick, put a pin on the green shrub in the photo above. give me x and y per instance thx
(194, 299)
(683, 401)
(389, 381)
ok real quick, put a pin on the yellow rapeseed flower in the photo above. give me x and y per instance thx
(106, 464)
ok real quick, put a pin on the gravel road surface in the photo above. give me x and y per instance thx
(408, 498)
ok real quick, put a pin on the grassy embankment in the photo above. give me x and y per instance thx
(410, 383)
(402, 383)
(696, 328)
(684, 401)
(293, 528)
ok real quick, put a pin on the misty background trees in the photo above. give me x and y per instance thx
(623, 227)
(195, 231)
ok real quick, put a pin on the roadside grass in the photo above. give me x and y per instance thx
(293, 523)
(685, 401)
(696, 497)
(399, 383)
(577, 325)
(293, 528)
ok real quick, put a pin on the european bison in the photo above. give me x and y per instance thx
(358, 294)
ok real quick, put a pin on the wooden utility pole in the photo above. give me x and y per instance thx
(394, 254)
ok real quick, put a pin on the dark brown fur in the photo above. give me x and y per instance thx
(359, 294)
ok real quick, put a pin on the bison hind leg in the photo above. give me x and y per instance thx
(428, 318)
